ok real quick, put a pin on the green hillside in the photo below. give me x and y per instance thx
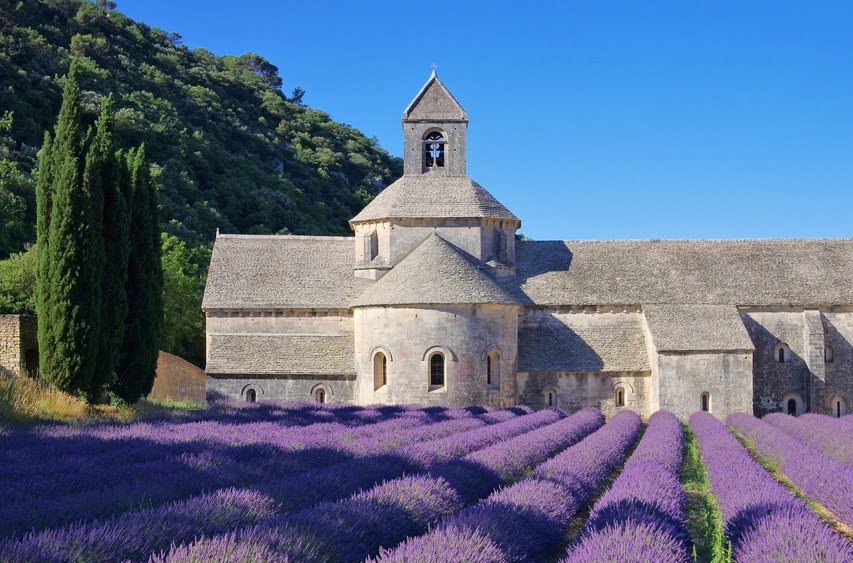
(230, 149)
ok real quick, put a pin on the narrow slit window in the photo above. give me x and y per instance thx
(436, 370)
(706, 402)
(380, 370)
(620, 397)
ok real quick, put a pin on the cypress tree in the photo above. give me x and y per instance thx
(113, 223)
(69, 296)
(144, 287)
(42, 298)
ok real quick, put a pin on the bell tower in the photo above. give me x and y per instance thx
(434, 132)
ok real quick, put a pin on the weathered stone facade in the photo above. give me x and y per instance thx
(435, 301)
(18, 345)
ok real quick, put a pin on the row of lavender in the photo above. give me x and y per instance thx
(136, 533)
(826, 480)
(763, 520)
(528, 520)
(161, 473)
(231, 509)
(642, 516)
(832, 437)
(391, 511)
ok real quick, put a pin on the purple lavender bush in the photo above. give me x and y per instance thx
(391, 511)
(825, 480)
(527, 520)
(757, 509)
(184, 520)
(114, 486)
(643, 513)
(830, 436)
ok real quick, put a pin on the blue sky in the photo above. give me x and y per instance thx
(589, 120)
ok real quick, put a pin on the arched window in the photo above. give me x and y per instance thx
(783, 353)
(251, 396)
(705, 402)
(839, 407)
(827, 354)
(380, 370)
(493, 370)
(434, 144)
(320, 395)
(436, 370)
(620, 397)
(551, 398)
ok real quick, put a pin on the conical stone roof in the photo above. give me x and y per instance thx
(433, 195)
(435, 273)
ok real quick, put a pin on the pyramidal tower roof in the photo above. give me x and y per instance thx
(434, 196)
(434, 102)
(434, 273)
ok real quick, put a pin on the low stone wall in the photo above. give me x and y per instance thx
(178, 380)
(18, 345)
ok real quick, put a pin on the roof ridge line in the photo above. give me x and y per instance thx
(286, 237)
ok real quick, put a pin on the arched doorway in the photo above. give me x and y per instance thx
(251, 396)
(792, 404)
(320, 395)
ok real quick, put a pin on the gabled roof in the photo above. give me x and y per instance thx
(434, 102)
(281, 354)
(780, 272)
(434, 196)
(271, 272)
(690, 328)
(583, 343)
(436, 272)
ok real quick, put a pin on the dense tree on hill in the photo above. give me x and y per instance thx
(227, 148)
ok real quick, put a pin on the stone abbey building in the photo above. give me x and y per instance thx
(435, 301)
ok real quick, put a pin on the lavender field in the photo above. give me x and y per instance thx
(309, 482)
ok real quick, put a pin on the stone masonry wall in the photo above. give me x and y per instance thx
(409, 335)
(281, 387)
(726, 377)
(775, 382)
(839, 372)
(18, 345)
(574, 391)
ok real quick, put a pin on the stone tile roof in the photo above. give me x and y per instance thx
(434, 195)
(685, 328)
(281, 354)
(269, 272)
(436, 272)
(581, 343)
(736, 272)
(434, 102)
